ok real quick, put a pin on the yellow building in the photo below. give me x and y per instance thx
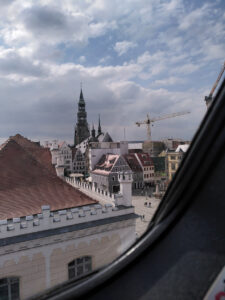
(173, 159)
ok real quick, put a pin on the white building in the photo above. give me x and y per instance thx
(73, 159)
(98, 149)
(106, 172)
(51, 230)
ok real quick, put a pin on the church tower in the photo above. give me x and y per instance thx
(81, 128)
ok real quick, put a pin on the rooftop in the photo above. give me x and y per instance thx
(29, 181)
(182, 148)
(145, 159)
(133, 162)
(105, 164)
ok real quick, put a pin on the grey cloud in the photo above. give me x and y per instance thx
(47, 108)
(42, 19)
(4, 3)
(51, 25)
(15, 64)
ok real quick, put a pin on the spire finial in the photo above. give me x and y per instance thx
(99, 125)
(81, 92)
(93, 130)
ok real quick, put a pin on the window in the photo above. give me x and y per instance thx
(9, 288)
(79, 267)
(173, 166)
(172, 157)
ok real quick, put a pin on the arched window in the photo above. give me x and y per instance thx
(9, 288)
(79, 266)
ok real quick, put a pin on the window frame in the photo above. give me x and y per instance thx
(10, 282)
(81, 263)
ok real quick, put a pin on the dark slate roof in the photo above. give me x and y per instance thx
(105, 138)
(81, 95)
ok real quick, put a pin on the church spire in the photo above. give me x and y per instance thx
(81, 128)
(81, 95)
(99, 125)
(93, 131)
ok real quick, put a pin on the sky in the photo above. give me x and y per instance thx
(133, 57)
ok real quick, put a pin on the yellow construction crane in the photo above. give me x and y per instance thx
(149, 121)
(208, 99)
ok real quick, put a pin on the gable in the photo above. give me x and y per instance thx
(120, 162)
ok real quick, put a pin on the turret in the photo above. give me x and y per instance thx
(54, 152)
(60, 166)
(125, 180)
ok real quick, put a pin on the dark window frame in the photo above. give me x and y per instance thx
(79, 267)
(7, 286)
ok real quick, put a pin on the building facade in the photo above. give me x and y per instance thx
(138, 179)
(148, 168)
(106, 172)
(173, 160)
(103, 147)
(71, 159)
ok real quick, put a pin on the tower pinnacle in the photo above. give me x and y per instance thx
(99, 126)
(93, 131)
(81, 95)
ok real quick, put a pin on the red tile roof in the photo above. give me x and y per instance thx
(145, 159)
(26, 183)
(133, 162)
(42, 155)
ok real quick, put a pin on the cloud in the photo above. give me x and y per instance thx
(105, 59)
(195, 17)
(12, 63)
(133, 57)
(186, 69)
(122, 47)
(52, 25)
(82, 59)
(48, 107)
(168, 81)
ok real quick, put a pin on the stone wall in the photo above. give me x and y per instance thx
(52, 220)
(43, 263)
